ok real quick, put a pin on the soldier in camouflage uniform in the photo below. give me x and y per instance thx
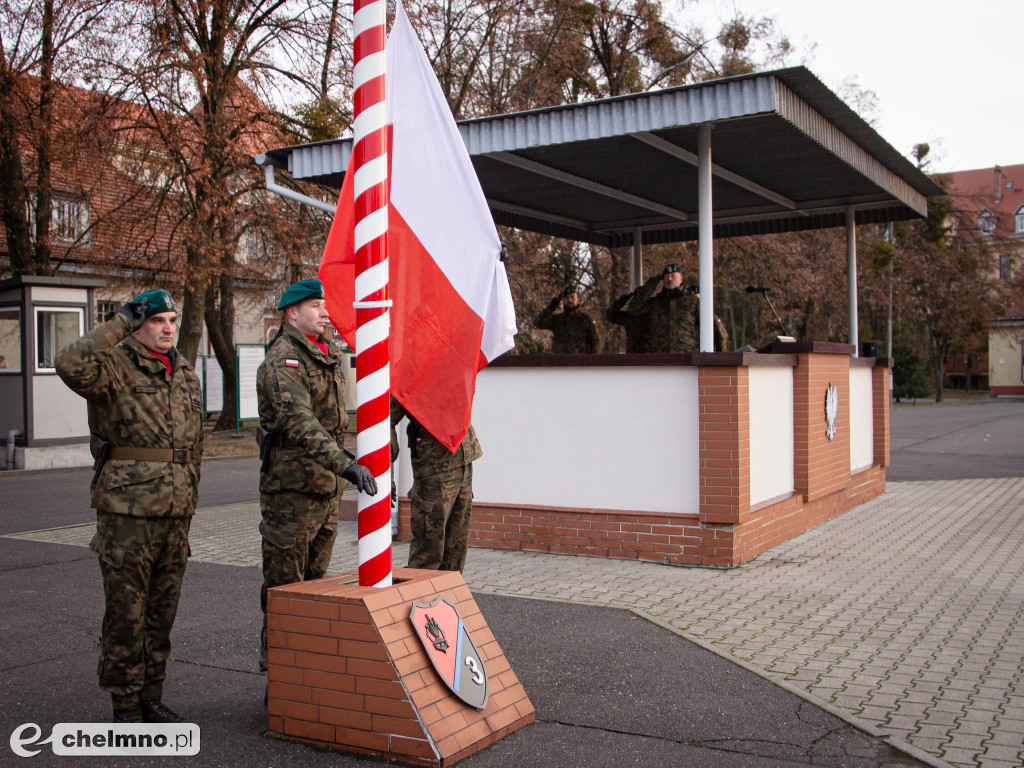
(573, 332)
(673, 315)
(441, 496)
(145, 411)
(301, 391)
(635, 322)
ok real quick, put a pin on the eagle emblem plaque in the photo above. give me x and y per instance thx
(831, 410)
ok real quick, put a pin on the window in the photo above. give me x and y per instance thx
(69, 220)
(56, 327)
(105, 310)
(148, 168)
(1019, 221)
(247, 249)
(252, 248)
(1004, 266)
(10, 340)
(986, 223)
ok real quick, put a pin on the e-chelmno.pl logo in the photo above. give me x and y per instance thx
(167, 740)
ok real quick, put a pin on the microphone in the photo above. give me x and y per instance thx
(758, 289)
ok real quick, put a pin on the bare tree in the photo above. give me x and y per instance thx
(44, 44)
(215, 78)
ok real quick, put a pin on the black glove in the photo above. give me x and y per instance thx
(135, 311)
(361, 478)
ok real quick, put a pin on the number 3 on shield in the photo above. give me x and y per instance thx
(478, 676)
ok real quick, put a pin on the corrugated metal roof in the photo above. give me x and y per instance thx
(788, 154)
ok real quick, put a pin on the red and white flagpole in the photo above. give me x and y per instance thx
(373, 373)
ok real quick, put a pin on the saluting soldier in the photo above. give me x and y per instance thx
(573, 332)
(634, 321)
(441, 497)
(301, 391)
(673, 314)
(145, 411)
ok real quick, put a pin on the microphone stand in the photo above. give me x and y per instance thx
(779, 319)
(764, 292)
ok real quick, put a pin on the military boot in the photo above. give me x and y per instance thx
(155, 711)
(126, 709)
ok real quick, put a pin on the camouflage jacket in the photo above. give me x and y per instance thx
(673, 319)
(134, 403)
(429, 455)
(301, 395)
(573, 332)
(634, 322)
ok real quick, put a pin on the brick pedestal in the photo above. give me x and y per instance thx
(347, 670)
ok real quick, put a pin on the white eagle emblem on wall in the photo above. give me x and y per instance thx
(831, 410)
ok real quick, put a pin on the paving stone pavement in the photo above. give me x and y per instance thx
(905, 614)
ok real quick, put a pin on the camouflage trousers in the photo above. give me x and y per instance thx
(441, 512)
(142, 560)
(298, 532)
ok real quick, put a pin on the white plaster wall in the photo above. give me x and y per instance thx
(603, 438)
(1005, 352)
(771, 432)
(42, 294)
(249, 317)
(58, 412)
(53, 457)
(862, 414)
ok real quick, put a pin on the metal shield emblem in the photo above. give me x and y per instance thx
(451, 650)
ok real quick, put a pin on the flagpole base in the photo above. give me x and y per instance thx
(348, 668)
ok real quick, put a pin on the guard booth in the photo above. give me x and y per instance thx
(44, 422)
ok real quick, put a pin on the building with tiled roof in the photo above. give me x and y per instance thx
(990, 206)
(114, 217)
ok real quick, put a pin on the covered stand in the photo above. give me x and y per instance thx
(747, 454)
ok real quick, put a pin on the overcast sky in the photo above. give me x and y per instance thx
(947, 73)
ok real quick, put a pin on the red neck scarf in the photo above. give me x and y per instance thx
(321, 344)
(162, 358)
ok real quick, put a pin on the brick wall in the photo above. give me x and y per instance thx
(997, 391)
(724, 444)
(821, 466)
(727, 531)
(880, 399)
(775, 522)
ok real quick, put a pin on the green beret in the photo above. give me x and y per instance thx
(300, 291)
(569, 290)
(670, 268)
(159, 301)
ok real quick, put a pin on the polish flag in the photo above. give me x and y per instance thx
(452, 311)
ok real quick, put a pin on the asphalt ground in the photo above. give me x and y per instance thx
(610, 689)
(673, 674)
(957, 439)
